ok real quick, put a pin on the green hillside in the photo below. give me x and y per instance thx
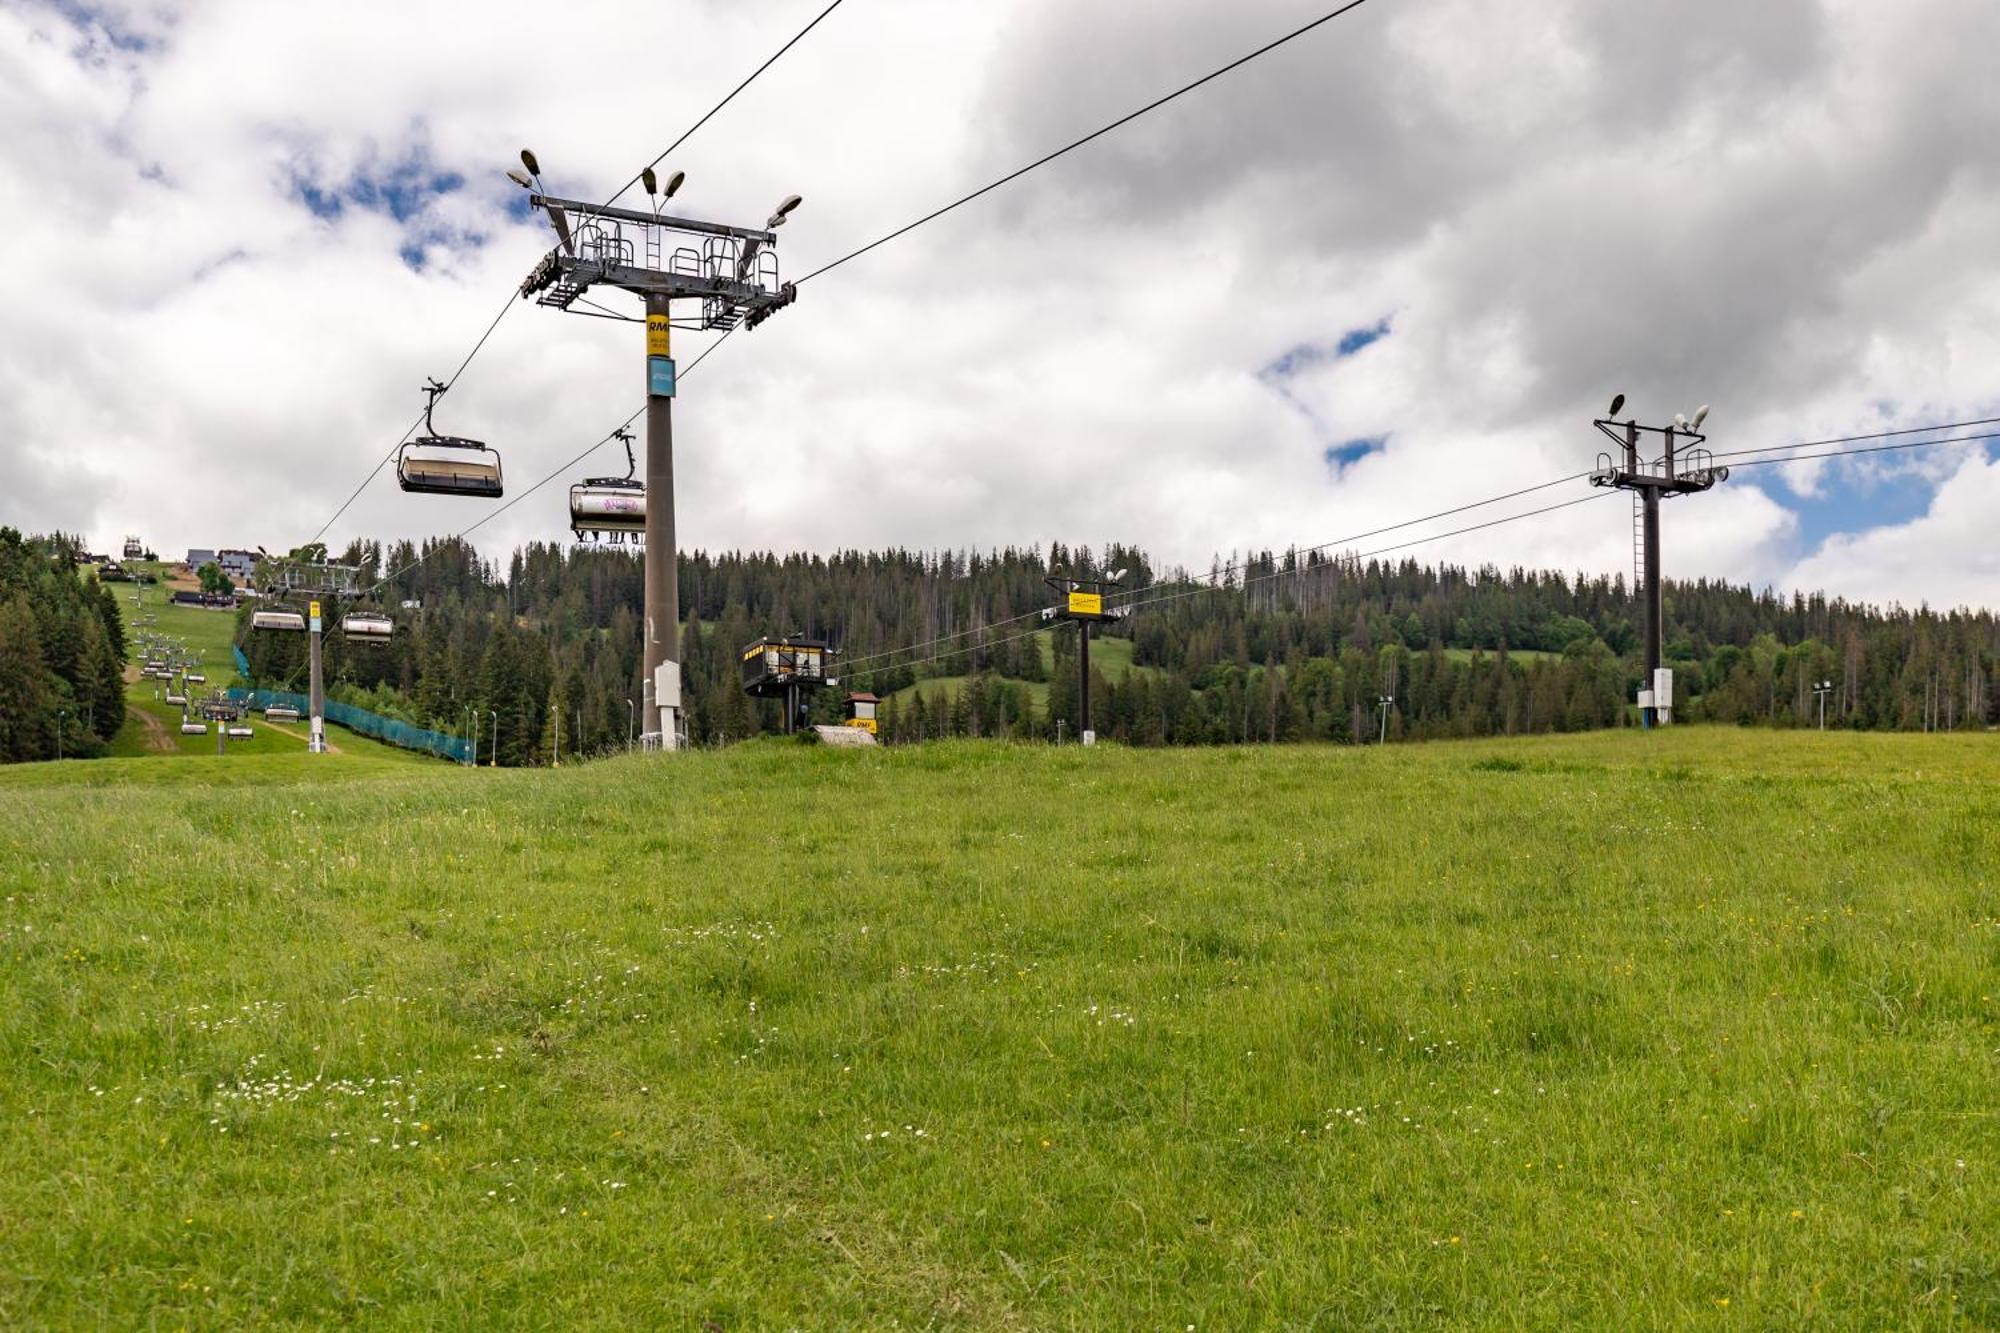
(1109, 657)
(152, 726)
(1684, 1028)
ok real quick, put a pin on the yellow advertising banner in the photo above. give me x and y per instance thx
(1086, 603)
(659, 336)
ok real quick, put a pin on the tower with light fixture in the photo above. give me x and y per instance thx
(1683, 468)
(733, 272)
(1083, 602)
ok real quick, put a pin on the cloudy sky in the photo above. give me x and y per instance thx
(1394, 266)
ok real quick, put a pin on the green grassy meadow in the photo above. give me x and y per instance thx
(1691, 1028)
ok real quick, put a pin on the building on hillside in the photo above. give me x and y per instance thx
(197, 557)
(239, 565)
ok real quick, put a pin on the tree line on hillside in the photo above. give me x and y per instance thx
(544, 653)
(62, 652)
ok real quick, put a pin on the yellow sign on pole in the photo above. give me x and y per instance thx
(659, 336)
(1086, 603)
(313, 609)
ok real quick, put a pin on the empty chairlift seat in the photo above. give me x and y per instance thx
(282, 620)
(367, 627)
(280, 713)
(194, 728)
(240, 731)
(608, 506)
(448, 465)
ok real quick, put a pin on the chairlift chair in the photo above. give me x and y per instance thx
(279, 620)
(613, 507)
(367, 627)
(434, 464)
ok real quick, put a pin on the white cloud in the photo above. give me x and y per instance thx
(1947, 558)
(1782, 208)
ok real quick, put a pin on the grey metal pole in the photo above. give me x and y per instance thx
(663, 599)
(1083, 692)
(493, 746)
(1654, 619)
(316, 729)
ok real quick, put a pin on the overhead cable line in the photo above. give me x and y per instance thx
(796, 37)
(1126, 119)
(1260, 578)
(1214, 581)
(1230, 569)
(512, 293)
(1937, 429)
(408, 430)
(562, 470)
(1871, 449)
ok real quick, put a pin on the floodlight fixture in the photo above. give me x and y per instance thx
(790, 202)
(528, 161)
(520, 178)
(674, 183)
(1617, 405)
(1680, 421)
(649, 180)
(1115, 576)
(1700, 415)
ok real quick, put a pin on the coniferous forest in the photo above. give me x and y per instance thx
(1275, 648)
(62, 653)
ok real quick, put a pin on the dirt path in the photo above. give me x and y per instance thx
(297, 735)
(156, 733)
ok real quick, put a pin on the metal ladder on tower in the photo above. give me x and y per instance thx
(1638, 543)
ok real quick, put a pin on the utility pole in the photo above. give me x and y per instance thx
(316, 728)
(1820, 691)
(493, 747)
(734, 274)
(1683, 468)
(1083, 602)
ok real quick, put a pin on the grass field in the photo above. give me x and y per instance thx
(1688, 1028)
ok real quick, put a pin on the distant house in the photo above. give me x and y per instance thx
(239, 565)
(197, 557)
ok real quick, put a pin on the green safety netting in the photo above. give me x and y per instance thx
(361, 721)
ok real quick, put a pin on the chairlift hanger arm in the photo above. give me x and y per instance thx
(582, 210)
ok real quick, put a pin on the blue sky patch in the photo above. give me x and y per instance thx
(1848, 503)
(1353, 451)
(91, 21)
(1306, 356)
(402, 190)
